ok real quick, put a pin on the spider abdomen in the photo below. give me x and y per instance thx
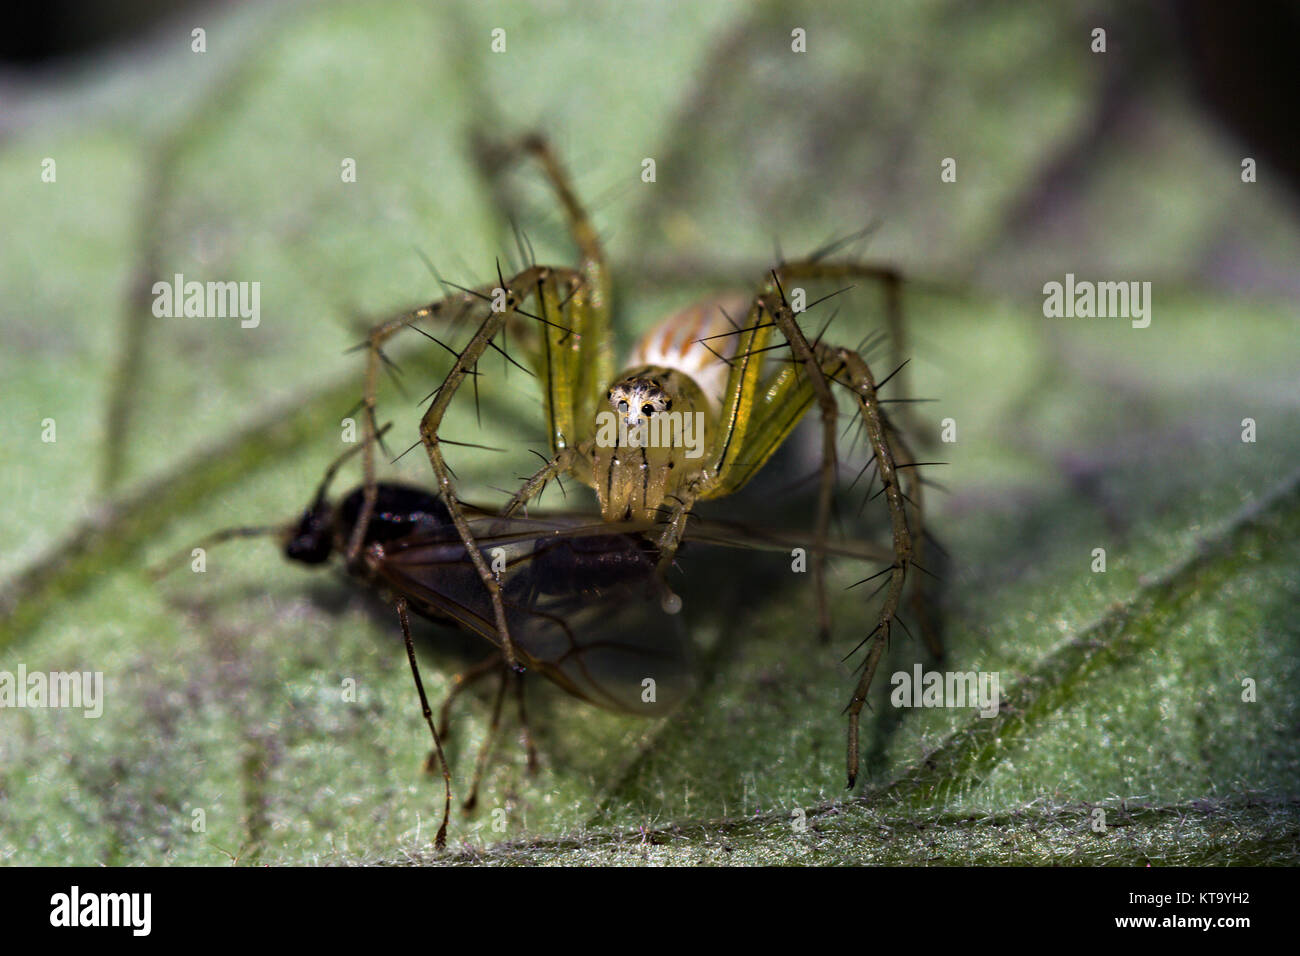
(698, 341)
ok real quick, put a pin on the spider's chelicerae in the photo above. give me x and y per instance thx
(698, 409)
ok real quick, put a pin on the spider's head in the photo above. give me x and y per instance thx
(636, 399)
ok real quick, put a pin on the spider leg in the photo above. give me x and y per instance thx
(573, 375)
(823, 365)
(579, 357)
(460, 304)
(913, 492)
(511, 295)
(580, 225)
(768, 408)
(559, 465)
(818, 380)
(891, 280)
(878, 433)
(744, 382)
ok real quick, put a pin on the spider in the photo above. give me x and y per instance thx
(708, 366)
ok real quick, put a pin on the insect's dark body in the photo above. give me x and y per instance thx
(400, 511)
(405, 513)
(590, 565)
(579, 596)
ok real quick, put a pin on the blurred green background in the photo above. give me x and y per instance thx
(1123, 690)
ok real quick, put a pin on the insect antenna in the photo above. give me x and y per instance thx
(159, 571)
(328, 478)
(257, 531)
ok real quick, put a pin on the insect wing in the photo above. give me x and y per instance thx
(581, 598)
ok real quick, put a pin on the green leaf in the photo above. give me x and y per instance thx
(1122, 691)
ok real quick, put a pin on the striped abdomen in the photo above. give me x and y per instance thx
(697, 343)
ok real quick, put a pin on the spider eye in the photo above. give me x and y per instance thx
(622, 407)
(647, 410)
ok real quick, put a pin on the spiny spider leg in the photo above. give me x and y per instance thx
(561, 464)
(892, 283)
(567, 380)
(569, 345)
(546, 282)
(889, 450)
(759, 412)
(375, 340)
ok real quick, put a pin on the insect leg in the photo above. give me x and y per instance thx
(440, 841)
(530, 748)
(459, 684)
(485, 748)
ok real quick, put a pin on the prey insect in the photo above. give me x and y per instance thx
(581, 596)
(742, 365)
